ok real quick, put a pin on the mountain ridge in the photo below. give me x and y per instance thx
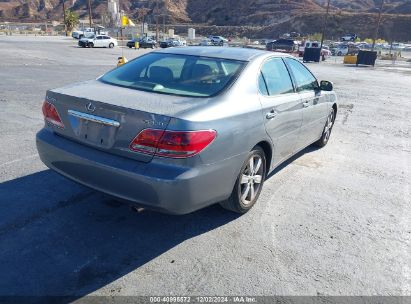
(265, 14)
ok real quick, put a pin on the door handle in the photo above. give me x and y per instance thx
(271, 114)
(306, 104)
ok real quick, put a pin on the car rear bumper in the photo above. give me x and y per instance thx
(156, 185)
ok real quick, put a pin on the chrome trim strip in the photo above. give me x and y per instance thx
(94, 118)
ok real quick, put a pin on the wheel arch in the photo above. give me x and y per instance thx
(266, 146)
(334, 106)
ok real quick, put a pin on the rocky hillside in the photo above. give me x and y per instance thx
(266, 17)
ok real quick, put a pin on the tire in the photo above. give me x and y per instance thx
(339, 54)
(111, 45)
(249, 184)
(91, 45)
(152, 46)
(327, 129)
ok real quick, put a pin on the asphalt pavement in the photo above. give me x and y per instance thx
(331, 221)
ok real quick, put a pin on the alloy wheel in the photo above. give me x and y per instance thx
(251, 180)
(329, 125)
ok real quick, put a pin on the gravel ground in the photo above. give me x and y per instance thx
(331, 221)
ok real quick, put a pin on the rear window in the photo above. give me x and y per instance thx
(176, 74)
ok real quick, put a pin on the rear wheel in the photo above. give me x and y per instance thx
(249, 183)
(111, 45)
(327, 129)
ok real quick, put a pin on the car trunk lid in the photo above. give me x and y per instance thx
(108, 118)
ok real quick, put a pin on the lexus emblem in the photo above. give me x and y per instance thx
(90, 107)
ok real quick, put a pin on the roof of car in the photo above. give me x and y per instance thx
(234, 53)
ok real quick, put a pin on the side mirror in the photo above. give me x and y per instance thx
(326, 85)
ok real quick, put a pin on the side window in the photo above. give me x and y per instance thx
(276, 78)
(305, 80)
(261, 84)
(99, 37)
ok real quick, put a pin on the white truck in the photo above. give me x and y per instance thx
(87, 33)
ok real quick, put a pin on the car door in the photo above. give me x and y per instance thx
(314, 103)
(282, 107)
(106, 41)
(98, 41)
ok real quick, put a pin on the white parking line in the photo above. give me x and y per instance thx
(18, 160)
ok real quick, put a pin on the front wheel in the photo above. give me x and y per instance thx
(91, 45)
(327, 129)
(249, 183)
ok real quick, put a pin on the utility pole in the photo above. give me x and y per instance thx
(325, 24)
(89, 12)
(164, 25)
(64, 17)
(157, 28)
(378, 25)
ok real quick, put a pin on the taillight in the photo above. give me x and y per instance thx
(175, 144)
(51, 115)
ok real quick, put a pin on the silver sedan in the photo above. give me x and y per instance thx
(182, 128)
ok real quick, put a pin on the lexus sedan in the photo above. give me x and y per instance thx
(179, 129)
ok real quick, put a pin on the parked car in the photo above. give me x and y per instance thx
(171, 42)
(98, 41)
(179, 129)
(345, 49)
(349, 37)
(144, 43)
(218, 40)
(88, 32)
(282, 45)
(206, 42)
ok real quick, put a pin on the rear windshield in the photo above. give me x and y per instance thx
(176, 74)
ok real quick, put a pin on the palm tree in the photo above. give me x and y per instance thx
(72, 19)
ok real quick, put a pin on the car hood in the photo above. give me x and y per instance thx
(162, 104)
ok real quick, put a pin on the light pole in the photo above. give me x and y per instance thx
(378, 25)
